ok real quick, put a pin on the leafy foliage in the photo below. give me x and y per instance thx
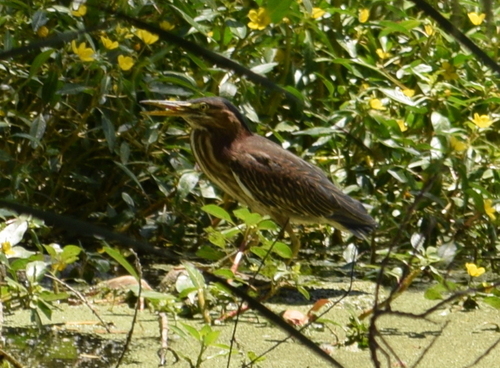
(387, 104)
(391, 107)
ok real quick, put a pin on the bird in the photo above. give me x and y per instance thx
(261, 174)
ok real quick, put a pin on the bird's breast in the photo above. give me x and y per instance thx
(212, 156)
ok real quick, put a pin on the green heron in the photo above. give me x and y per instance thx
(261, 174)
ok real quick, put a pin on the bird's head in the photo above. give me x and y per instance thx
(208, 113)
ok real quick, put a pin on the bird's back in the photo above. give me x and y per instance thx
(286, 186)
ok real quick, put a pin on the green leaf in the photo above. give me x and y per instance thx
(154, 295)
(301, 289)
(278, 9)
(398, 96)
(118, 257)
(35, 270)
(192, 331)
(39, 19)
(39, 61)
(37, 129)
(49, 296)
(187, 182)
(267, 225)
(218, 212)
(70, 253)
(200, 28)
(29, 137)
(124, 152)
(209, 253)
(264, 68)
(130, 174)
(259, 252)
(216, 238)
(249, 218)
(195, 275)
(440, 123)
(434, 293)
(394, 27)
(493, 301)
(50, 250)
(44, 307)
(398, 175)
(282, 250)
(224, 273)
(254, 358)
(128, 199)
(109, 132)
(211, 337)
(73, 89)
(238, 29)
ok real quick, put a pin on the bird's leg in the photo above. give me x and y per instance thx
(247, 239)
(238, 257)
(295, 242)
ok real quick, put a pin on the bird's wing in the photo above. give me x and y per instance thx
(290, 186)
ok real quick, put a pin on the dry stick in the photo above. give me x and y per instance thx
(403, 286)
(59, 39)
(136, 309)
(82, 298)
(9, 358)
(163, 324)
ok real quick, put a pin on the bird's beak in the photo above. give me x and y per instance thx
(169, 108)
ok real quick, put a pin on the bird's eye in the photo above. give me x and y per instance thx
(203, 106)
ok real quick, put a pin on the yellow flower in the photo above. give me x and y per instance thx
(166, 25)
(449, 72)
(147, 37)
(84, 53)
(110, 45)
(482, 121)
(80, 12)
(6, 248)
(409, 92)
(475, 18)
(429, 30)
(382, 54)
(363, 15)
(125, 62)
(124, 32)
(473, 270)
(489, 210)
(402, 125)
(376, 104)
(259, 19)
(458, 145)
(317, 13)
(42, 32)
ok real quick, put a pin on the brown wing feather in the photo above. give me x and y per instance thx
(286, 184)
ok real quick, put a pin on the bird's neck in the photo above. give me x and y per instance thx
(220, 139)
